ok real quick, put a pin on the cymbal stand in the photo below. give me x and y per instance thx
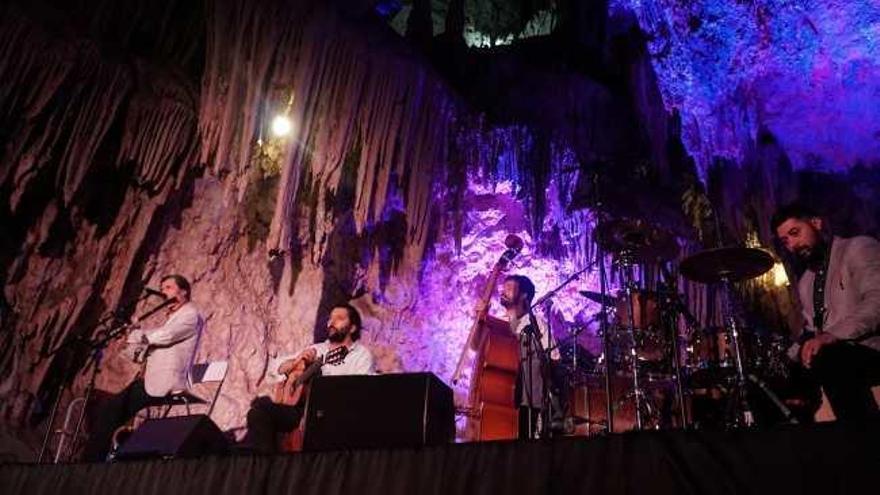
(679, 390)
(744, 416)
(671, 317)
(606, 338)
(626, 262)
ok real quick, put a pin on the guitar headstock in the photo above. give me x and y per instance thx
(336, 356)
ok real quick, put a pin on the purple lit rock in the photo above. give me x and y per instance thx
(807, 71)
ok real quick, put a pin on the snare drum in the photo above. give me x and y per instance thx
(651, 348)
(711, 354)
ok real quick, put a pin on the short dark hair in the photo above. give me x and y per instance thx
(354, 317)
(182, 283)
(526, 286)
(791, 210)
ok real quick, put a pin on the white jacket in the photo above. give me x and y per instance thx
(852, 291)
(172, 348)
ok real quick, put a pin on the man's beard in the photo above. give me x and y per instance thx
(813, 256)
(507, 303)
(336, 336)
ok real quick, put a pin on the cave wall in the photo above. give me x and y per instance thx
(806, 72)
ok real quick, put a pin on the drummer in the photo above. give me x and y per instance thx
(840, 296)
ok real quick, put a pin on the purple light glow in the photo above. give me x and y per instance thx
(807, 71)
(435, 327)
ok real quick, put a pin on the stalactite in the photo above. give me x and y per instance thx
(341, 95)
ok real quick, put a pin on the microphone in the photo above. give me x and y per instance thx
(155, 292)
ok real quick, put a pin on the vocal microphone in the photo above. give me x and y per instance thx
(155, 292)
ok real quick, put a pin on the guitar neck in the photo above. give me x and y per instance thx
(309, 372)
(490, 284)
(487, 295)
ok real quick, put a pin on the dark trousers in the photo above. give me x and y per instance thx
(529, 417)
(265, 420)
(847, 371)
(112, 414)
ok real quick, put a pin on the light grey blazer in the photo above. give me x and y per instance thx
(172, 349)
(852, 291)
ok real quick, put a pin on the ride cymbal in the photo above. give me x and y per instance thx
(730, 264)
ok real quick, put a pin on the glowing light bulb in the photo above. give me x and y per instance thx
(281, 126)
(780, 278)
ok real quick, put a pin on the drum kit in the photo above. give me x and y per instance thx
(656, 359)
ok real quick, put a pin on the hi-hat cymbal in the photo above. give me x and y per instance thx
(636, 239)
(598, 297)
(729, 263)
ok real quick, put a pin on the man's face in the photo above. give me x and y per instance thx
(339, 325)
(511, 296)
(172, 291)
(800, 237)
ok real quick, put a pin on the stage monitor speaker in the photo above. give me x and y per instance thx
(175, 437)
(395, 410)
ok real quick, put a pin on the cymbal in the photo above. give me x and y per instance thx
(598, 297)
(637, 239)
(728, 263)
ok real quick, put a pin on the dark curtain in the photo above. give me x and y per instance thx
(831, 458)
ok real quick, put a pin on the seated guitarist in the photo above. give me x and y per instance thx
(266, 418)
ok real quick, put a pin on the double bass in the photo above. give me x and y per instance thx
(492, 413)
(293, 391)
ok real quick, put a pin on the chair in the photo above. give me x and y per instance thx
(201, 373)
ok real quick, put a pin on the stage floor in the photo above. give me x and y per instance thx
(822, 458)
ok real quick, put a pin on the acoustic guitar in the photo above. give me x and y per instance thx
(293, 391)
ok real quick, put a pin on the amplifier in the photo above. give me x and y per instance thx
(395, 410)
(179, 436)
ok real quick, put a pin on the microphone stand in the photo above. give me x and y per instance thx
(96, 347)
(544, 354)
(561, 286)
(606, 338)
(533, 348)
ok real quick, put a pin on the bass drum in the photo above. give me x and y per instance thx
(587, 404)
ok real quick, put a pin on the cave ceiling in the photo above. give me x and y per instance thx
(806, 71)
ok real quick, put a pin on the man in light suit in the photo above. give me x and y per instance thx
(169, 352)
(840, 296)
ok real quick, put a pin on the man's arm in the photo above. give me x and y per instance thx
(864, 264)
(175, 330)
(286, 365)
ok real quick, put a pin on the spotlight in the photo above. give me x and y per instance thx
(281, 126)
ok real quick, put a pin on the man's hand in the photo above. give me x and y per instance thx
(309, 355)
(812, 347)
(286, 367)
(480, 309)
